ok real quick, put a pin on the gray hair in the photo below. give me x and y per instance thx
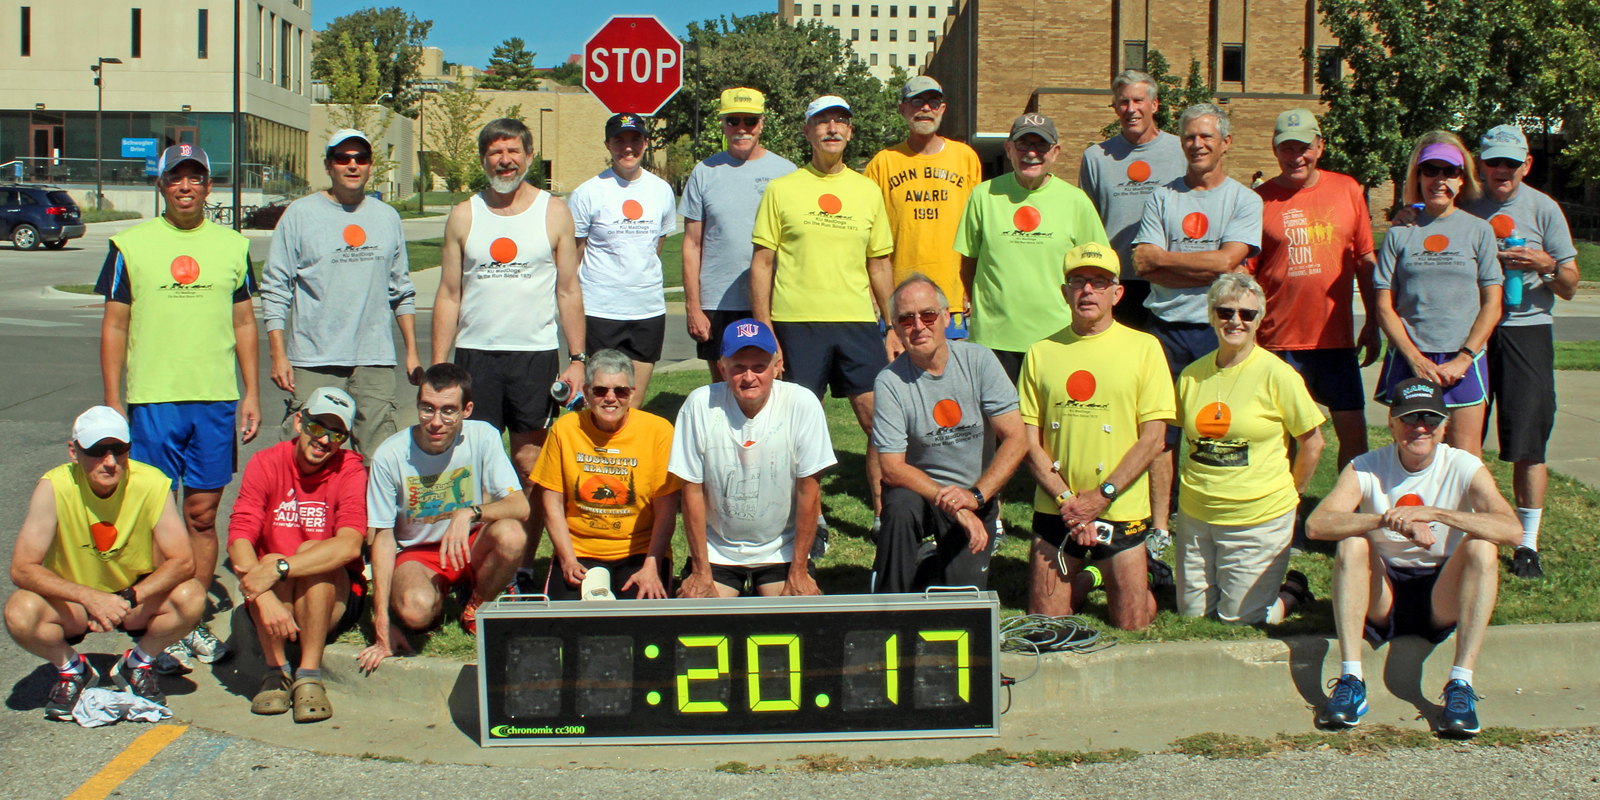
(1199, 110)
(1129, 77)
(1231, 286)
(915, 278)
(608, 362)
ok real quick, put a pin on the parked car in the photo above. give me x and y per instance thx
(34, 214)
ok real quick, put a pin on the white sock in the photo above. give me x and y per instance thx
(1350, 668)
(1530, 526)
(1276, 611)
(138, 657)
(1461, 674)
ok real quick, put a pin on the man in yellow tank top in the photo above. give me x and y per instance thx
(86, 562)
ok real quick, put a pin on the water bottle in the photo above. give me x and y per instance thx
(1513, 285)
(565, 397)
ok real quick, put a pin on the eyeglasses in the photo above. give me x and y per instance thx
(317, 430)
(175, 180)
(622, 392)
(345, 158)
(1245, 314)
(118, 449)
(928, 318)
(446, 414)
(929, 102)
(1427, 419)
(1099, 282)
(1440, 171)
(748, 122)
(1503, 163)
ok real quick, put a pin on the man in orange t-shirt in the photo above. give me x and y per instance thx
(1316, 238)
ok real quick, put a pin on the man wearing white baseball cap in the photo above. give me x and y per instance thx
(294, 540)
(821, 273)
(337, 271)
(102, 548)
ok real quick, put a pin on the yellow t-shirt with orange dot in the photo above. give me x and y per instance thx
(823, 228)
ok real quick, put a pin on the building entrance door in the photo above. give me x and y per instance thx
(46, 152)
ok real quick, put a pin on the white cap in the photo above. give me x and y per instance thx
(345, 134)
(100, 422)
(824, 103)
(331, 400)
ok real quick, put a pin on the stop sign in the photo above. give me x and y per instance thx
(633, 65)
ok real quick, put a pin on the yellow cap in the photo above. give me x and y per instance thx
(1091, 254)
(741, 100)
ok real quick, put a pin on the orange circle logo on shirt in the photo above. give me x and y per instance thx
(603, 490)
(185, 270)
(829, 204)
(104, 535)
(1503, 225)
(354, 236)
(1212, 422)
(1409, 500)
(1138, 172)
(1080, 385)
(1436, 243)
(632, 209)
(947, 413)
(1195, 225)
(1026, 219)
(504, 251)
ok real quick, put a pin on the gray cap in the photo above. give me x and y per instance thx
(1503, 141)
(331, 400)
(1296, 125)
(1033, 123)
(919, 85)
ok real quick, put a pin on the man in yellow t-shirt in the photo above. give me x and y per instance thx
(925, 181)
(1096, 399)
(609, 502)
(86, 561)
(821, 274)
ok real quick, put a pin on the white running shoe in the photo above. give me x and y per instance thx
(174, 660)
(205, 645)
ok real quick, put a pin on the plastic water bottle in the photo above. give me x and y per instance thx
(1513, 285)
(562, 393)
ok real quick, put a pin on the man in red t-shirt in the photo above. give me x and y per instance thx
(1316, 240)
(295, 543)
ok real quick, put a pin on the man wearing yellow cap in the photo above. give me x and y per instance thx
(719, 212)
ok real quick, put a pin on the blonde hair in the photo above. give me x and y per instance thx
(1470, 189)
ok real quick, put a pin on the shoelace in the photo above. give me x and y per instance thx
(1343, 690)
(205, 635)
(1458, 698)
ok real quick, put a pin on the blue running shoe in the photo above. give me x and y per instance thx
(1460, 720)
(1347, 702)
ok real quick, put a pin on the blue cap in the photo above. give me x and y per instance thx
(748, 332)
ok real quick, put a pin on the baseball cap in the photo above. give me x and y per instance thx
(748, 332)
(344, 135)
(179, 153)
(918, 85)
(625, 122)
(331, 400)
(1503, 141)
(100, 422)
(824, 103)
(742, 100)
(1296, 125)
(1415, 395)
(1033, 123)
(1440, 151)
(1091, 254)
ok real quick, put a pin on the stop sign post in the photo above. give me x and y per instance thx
(633, 65)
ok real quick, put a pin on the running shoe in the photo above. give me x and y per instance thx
(174, 660)
(1157, 542)
(1298, 587)
(1460, 718)
(1525, 564)
(137, 680)
(69, 687)
(526, 583)
(1347, 702)
(819, 545)
(205, 645)
(469, 615)
(1161, 579)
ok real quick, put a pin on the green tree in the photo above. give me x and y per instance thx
(396, 38)
(455, 139)
(1564, 75)
(1175, 94)
(511, 67)
(567, 74)
(352, 82)
(792, 65)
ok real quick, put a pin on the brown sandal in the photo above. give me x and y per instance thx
(274, 695)
(310, 701)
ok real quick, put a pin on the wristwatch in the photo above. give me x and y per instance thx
(129, 595)
(1061, 499)
(977, 494)
(283, 569)
(1467, 351)
(477, 514)
(581, 358)
(1108, 490)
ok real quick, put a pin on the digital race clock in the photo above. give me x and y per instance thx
(738, 670)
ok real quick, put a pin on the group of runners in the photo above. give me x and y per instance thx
(1159, 331)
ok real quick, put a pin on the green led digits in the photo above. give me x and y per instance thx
(891, 660)
(753, 647)
(720, 673)
(963, 658)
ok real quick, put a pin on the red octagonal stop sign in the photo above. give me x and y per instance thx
(633, 65)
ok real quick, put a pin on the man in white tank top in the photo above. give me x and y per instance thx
(1418, 523)
(508, 278)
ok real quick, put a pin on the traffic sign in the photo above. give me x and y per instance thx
(633, 64)
(140, 148)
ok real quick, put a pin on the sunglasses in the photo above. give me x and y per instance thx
(929, 102)
(1245, 314)
(748, 122)
(1503, 163)
(1099, 282)
(118, 449)
(1440, 171)
(317, 430)
(1427, 419)
(622, 392)
(928, 318)
(342, 159)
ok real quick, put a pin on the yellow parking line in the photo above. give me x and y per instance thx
(128, 762)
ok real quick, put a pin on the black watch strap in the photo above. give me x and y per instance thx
(977, 494)
(129, 595)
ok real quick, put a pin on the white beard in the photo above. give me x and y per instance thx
(506, 185)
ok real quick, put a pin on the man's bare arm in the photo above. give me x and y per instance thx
(447, 301)
(568, 253)
(1336, 517)
(762, 263)
(1188, 270)
(114, 350)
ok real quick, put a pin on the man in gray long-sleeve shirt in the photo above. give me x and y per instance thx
(336, 271)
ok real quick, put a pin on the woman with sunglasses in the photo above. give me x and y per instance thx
(1240, 407)
(1439, 288)
(609, 502)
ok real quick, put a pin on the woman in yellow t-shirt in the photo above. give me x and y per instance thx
(1240, 408)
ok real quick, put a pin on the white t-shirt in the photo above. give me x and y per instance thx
(508, 280)
(750, 467)
(624, 221)
(1442, 484)
(475, 470)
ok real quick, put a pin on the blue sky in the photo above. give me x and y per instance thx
(468, 30)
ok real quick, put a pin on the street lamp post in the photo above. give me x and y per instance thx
(542, 111)
(99, 107)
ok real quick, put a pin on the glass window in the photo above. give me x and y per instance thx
(855, 34)
(799, 10)
(932, 35)
(932, 12)
(855, 10)
(894, 35)
(911, 60)
(911, 11)
(873, 35)
(911, 36)
(204, 31)
(27, 30)
(136, 30)
(836, 9)
(1328, 66)
(894, 60)
(816, 9)
(874, 11)
(951, 11)
(894, 11)
(872, 59)
(1134, 54)
(1233, 63)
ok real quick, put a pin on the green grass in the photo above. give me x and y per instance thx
(1578, 355)
(411, 213)
(1373, 739)
(1588, 261)
(75, 288)
(90, 215)
(424, 253)
(672, 261)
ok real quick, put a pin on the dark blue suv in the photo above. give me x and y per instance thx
(31, 215)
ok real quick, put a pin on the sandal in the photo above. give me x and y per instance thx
(274, 695)
(1296, 585)
(310, 701)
